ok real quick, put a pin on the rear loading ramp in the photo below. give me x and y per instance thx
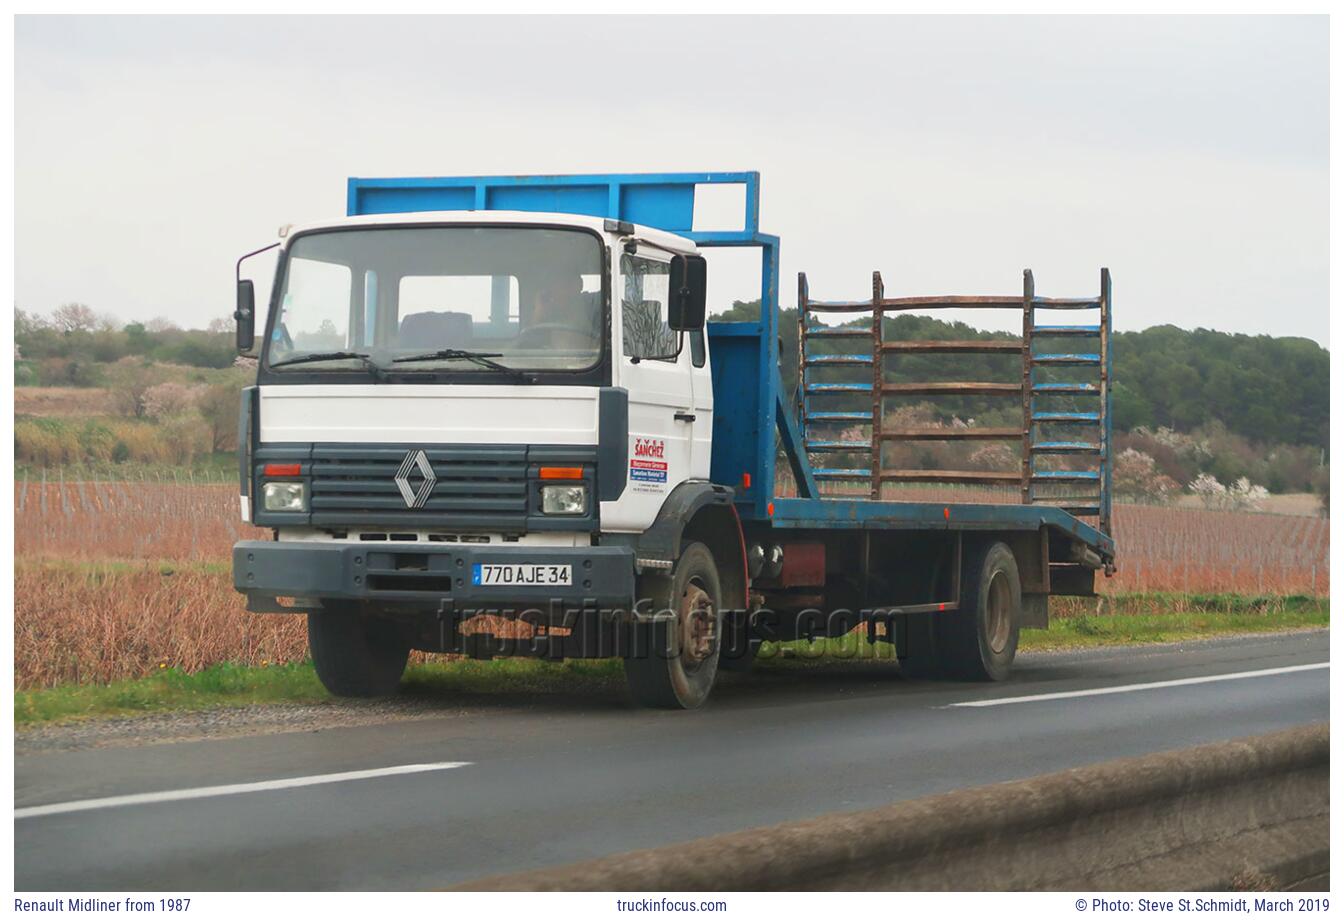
(1063, 430)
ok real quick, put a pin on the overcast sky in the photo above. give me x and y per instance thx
(1188, 154)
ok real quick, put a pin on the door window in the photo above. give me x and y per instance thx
(644, 330)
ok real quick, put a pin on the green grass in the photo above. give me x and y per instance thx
(230, 685)
(1131, 619)
(170, 689)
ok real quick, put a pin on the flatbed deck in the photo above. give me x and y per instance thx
(865, 514)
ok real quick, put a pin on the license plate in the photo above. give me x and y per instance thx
(526, 574)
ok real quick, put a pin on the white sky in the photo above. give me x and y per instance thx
(1188, 154)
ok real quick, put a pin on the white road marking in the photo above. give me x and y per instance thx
(205, 792)
(1130, 688)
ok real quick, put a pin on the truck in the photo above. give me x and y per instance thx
(490, 419)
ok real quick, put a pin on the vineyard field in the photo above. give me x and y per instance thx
(1159, 548)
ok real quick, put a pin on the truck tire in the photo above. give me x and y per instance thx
(676, 658)
(355, 655)
(978, 641)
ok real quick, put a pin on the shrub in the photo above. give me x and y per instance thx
(97, 442)
(169, 399)
(143, 441)
(45, 442)
(185, 437)
(1241, 495)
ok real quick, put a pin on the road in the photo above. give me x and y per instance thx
(573, 777)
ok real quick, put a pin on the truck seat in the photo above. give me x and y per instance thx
(445, 329)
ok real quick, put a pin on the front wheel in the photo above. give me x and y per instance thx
(356, 655)
(676, 655)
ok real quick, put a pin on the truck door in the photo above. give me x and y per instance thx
(657, 376)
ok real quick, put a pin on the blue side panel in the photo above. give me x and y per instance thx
(735, 359)
(405, 200)
(662, 200)
(572, 199)
(667, 207)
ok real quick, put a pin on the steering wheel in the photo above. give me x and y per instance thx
(545, 332)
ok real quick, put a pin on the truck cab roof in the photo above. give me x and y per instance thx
(600, 225)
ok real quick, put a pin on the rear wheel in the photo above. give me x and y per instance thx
(676, 656)
(356, 655)
(979, 640)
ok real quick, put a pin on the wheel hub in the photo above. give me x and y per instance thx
(699, 625)
(998, 612)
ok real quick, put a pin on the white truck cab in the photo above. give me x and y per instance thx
(494, 328)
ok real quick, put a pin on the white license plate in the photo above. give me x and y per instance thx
(527, 574)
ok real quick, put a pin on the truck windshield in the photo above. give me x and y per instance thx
(481, 300)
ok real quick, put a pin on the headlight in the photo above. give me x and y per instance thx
(284, 496)
(564, 499)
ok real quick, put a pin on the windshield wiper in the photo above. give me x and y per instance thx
(481, 358)
(379, 372)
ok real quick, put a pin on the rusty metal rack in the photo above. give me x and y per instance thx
(1048, 406)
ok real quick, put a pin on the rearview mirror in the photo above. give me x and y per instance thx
(686, 307)
(245, 314)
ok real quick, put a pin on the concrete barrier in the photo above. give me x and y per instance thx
(1251, 813)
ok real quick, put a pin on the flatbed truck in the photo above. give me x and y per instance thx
(496, 400)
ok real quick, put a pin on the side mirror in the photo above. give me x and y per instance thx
(686, 283)
(245, 314)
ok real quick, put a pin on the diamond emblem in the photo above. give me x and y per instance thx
(415, 465)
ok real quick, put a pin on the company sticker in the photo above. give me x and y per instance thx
(648, 465)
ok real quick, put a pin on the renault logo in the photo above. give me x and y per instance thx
(415, 463)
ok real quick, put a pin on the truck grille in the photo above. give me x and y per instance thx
(478, 487)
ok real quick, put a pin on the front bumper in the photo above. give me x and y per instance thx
(427, 577)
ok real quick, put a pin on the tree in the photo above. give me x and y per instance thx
(129, 381)
(74, 317)
(167, 399)
(27, 324)
(218, 405)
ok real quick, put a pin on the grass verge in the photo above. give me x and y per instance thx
(1123, 620)
(1128, 619)
(231, 685)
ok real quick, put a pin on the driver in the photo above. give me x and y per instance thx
(565, 310)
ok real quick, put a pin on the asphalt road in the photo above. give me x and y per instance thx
(565, 778)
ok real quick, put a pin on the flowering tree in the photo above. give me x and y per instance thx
(1242, 495)
(1136, 476)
